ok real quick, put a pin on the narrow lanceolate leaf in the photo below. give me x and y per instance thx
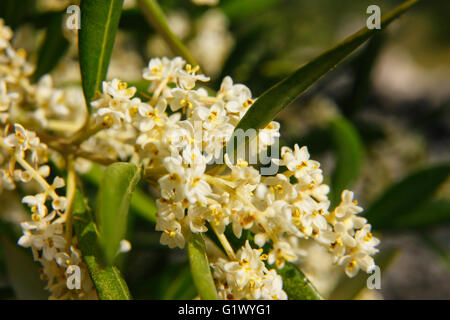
(271, 102)
(99, 22)
(349, 153)
(433, 213)
(113, 201)
(107, 279)
(404, 197)
(141, 203)
(349, 288)
(23, 272)
(296, 284)
(200, 269)
(53, 48)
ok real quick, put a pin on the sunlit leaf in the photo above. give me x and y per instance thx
(141, 203)
(113, 201)
(107, 279)
(99, 22)
(296, 284)
(272, 101)
(200, 269)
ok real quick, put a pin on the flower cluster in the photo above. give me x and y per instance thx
(182, 128)
(37, 105)
(247, 277)
(176, 130)
(23, 159)
(51, 243)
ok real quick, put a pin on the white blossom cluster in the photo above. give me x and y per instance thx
(176, 130)
(181, 128)
(247, 277)
(23, 159)
(37, 105)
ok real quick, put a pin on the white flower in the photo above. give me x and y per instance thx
(163, 69)
(247, 277)
(268, 135)
(184, 99)
(6, 98)
(241, 172)
(356, 261)
(279, 188)
(151, 116)
(37, 203)
(5, 35)
(47, 239)
(168, 207)
(171, 235)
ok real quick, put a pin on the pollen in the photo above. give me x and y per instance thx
(241, 163)
(133, 111)
(368, 236)
(122, 85)
(107, 121)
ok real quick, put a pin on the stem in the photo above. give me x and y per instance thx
(36, 176)
(70, 194)
(225, 244)
(85, 132)
(155, 16)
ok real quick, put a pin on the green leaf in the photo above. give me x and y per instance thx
(141, 203)
(349, 155)
(113, 201)
(16, 12)
(431, 214)
(402, 198)
(107, 279)
(296, 284)
(272, 101)
(349, 288)
(99, 22)
(23, 272)
(53, 47)
(363, 67)
(200, 269)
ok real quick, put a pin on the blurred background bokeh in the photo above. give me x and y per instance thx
(388, 105)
